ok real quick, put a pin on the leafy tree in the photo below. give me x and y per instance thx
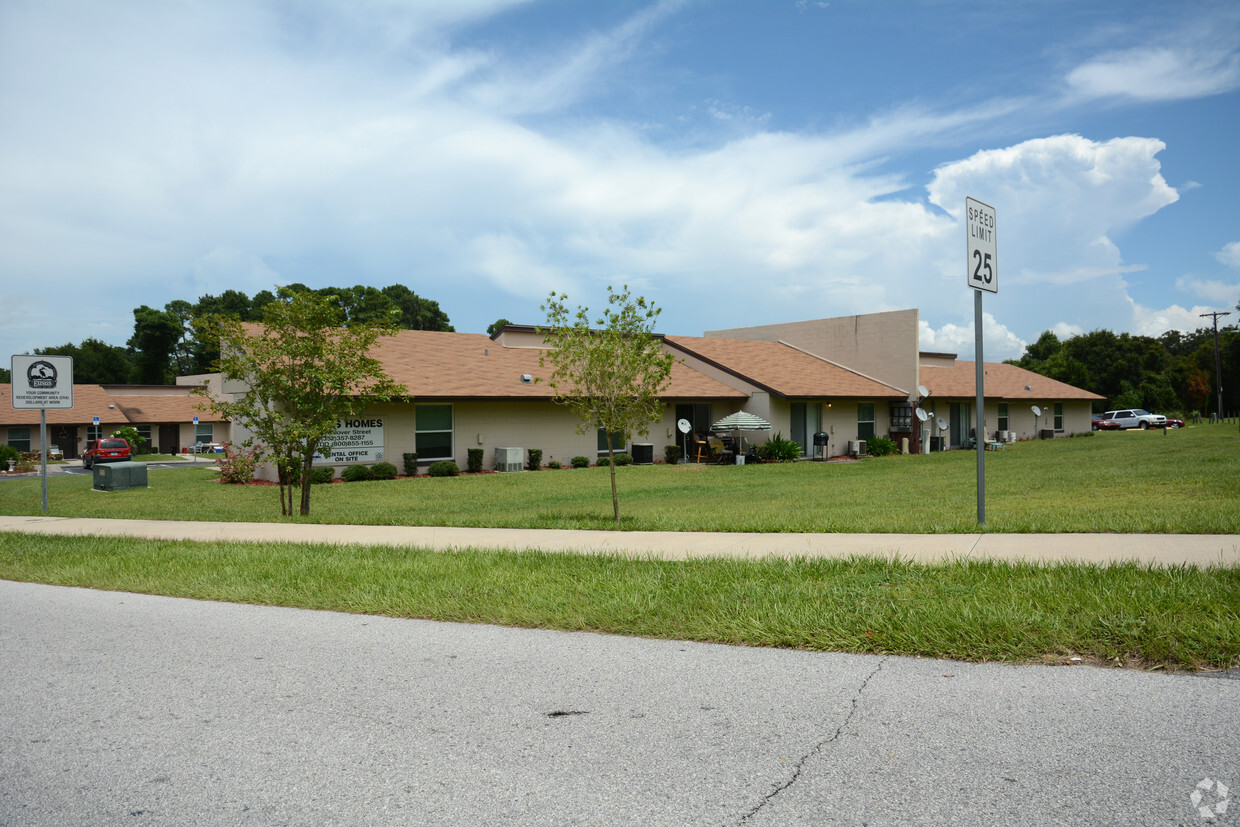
(5, 376)
(497, 325)
(95, 363)
(417, 313)
(304, 371)
(610, 375)
(156, 334)
(130, 434)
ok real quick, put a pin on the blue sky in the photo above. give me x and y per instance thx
(735, 162)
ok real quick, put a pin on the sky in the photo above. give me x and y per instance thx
(737, 163)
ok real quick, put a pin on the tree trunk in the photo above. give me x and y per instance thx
(307, 465)
(615, 500)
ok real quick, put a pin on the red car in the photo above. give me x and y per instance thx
(109, 449)
(1175, 423)
(1100, 424)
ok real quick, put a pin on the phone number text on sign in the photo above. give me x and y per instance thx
(357, 440)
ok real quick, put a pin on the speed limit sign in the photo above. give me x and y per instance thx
(983, 261)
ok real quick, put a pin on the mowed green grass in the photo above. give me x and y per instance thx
(1122, 614)
(1185, 481)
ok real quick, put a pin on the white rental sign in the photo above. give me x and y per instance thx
(983, 265)
(357, 440)
(41, 382)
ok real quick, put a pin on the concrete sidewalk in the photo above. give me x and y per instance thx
(1164, 549)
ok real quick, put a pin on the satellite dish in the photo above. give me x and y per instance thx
(942, 423)
(683, 426)
(921, 391)
(922, 415)
(1037, 411)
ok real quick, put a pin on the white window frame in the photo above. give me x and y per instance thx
(450, 431)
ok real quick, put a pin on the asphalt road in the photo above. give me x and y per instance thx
(125, 708)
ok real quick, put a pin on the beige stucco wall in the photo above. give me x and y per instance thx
(880, 345)
(1077, 416)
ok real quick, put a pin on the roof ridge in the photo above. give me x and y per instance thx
(842, 367)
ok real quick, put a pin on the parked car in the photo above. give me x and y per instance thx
(1135, 418)
(108, 449)
(1101, 424)
(1175, 423)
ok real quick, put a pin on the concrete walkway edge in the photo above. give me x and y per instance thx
(1200, 550)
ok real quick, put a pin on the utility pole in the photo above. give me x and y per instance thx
(1218, 365)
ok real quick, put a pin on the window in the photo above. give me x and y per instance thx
(94, 431)
(1058, 416)
(618, 440)
(144, 431)
(203, 432)
(432, 436)
(19, 438)
(1003, 416)
(865, 420)
(901, 416)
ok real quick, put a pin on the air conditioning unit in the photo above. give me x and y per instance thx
(509, 459)
(1009, 436)
(856, 447)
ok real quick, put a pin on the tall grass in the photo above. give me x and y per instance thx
(1179, 617)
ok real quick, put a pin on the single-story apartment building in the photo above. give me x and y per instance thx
(162, 414)
(850, 377)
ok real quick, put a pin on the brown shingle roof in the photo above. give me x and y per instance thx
(90, 401)
(783, 370)
(431, 364)
(1000, 382)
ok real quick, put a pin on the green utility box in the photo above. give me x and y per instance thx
(118, 476)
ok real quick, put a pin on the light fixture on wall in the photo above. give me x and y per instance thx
(526, 378)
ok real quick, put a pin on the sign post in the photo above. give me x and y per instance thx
(195, 451)
(42, 382)
(982, 269)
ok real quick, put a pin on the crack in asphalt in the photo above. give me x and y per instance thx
(817, 748)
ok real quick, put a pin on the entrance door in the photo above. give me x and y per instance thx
(959, 424)
(168, 439)
(64, 437)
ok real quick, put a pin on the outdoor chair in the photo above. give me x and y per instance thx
(701, 449)
(720, 452)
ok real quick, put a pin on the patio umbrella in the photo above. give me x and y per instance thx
(741, 421)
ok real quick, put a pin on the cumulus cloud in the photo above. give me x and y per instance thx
(998, 342)
(1218, 292)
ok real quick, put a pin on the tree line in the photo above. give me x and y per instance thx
(170, 342)
(1172, 373)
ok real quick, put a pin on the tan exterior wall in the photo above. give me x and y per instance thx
(880, 345)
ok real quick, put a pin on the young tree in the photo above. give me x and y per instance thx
(303, 372)
(610, 374)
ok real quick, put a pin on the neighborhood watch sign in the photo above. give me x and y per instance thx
(356, 440)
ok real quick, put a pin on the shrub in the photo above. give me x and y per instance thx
(237, 464)
(474, 461)
(383, 471)
(322, 474)
(444, 468)
(623, 459)
(411, 464)
(671, 454)
(554, 465)
(778, 449)
(8, 452)
(535, 459)
(880, 446)
(579, 462)
(604, 462)
(355, 473)
(130, 434)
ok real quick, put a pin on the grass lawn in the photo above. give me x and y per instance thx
(1185, 481)
(1123, 614)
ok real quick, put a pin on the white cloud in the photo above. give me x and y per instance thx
(1161, 73)
(1218, 292)
(1230, 254)
(1149, 321)
(998, 342)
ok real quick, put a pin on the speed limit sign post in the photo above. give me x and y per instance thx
(982, 269)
